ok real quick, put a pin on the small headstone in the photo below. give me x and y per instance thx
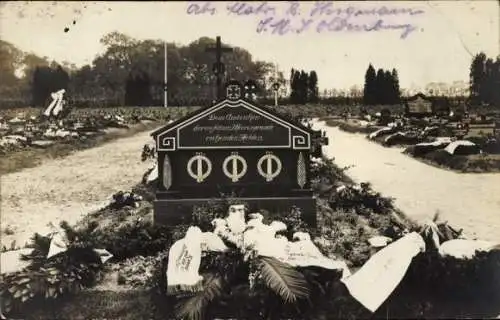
(237, 149)
(418, 106)
(42, 143)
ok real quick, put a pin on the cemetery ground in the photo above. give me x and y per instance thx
(127, 286)
(468, 201)
(26, 139)
(427, 140)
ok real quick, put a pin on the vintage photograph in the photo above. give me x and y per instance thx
(250, 160)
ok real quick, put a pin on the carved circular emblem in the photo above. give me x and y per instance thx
(235, 174)
(269, 174)
(199, 175)
(276, 86)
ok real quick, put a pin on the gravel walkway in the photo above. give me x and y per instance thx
(470, 201)
(68, 188)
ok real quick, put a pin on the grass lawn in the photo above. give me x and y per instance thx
(477, 163)
(123, 305)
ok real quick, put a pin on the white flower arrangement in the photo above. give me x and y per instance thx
(252, 238)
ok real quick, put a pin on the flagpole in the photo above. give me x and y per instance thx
(276, 81)
(165, 92)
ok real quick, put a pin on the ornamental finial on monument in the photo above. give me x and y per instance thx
(234, 90)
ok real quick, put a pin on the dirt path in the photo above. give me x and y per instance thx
(469, 201)
(68, 188)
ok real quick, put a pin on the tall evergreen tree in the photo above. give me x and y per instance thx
(488, 83)
(130, 95)
(36, 89)
(303, 81)
(380, 87)
(496, 82)
(145, 90)
(47, 80)
(295, 86)
(313, 86)
(396, 92)
(388, 90)
(477, 78)
(138, 89)
(370, 89)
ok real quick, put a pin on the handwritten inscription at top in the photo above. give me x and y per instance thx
(292, 17)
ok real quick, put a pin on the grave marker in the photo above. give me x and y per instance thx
(237, 149)
(418, 106)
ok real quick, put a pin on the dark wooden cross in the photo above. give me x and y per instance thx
(219, 67)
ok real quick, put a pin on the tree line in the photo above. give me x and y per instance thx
(303, 87)
(131, 72)
(381, 87)
(128, 72)
(47, 79)
(484, 80)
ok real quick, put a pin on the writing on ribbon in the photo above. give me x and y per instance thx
(324, 17)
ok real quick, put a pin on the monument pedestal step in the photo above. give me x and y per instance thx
(174, 211)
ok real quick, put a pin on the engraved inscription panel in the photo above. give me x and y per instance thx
(235, 126)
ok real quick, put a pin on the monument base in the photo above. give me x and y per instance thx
(176, 211)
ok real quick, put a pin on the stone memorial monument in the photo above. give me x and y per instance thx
(236, 149)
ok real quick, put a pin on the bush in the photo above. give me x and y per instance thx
(443, 158)
(359, 198)
(385, 117)
(63, 274)
(466, 288)
(350, 127)
(325, 173)
(142, 238)
(420, 151)
(140, 272)
(408, 138)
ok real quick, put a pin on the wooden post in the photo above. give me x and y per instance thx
(165, 89)
(276, 85)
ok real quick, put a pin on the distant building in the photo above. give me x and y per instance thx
(421, 105)
(418, 105)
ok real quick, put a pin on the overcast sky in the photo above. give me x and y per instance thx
(439, 50)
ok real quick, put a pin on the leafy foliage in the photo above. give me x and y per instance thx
(128, 72)
(244, 274)
(193, 307)
(139, 271)
(325, 174)
(137, 238)
(283, 279)
(66, 273)
(122, 199)
(361, 199)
